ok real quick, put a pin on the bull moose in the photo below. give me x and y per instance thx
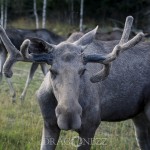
(74, 97)
(17, 36)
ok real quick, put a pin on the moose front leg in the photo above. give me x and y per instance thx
(142, 128)
(12, 90)
(86, 137)
(2, 60)
(50, 137)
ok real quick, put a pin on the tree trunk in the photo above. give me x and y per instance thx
(5, 15)
(35, 14)
(44, 14)
(81, 15)
(2, 13)
(72, 12)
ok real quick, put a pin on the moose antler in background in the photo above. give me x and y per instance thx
(15, 55)
(123, 45)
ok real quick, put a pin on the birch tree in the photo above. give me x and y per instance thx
(5, 15)
(72, 11)
(35, 14)
(2, 13)
(81, 15)
(44, 13)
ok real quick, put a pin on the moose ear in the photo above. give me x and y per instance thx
(39, 46)
(86, 39)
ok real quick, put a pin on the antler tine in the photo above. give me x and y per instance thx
(131, 43)
(24, 50)
(101, 75)
(127, 30)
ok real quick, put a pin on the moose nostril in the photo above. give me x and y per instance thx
(58, 111)
(79, 110)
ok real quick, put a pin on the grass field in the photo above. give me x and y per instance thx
(21, 124)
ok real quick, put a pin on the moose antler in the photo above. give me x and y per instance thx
(15, 55)
(123, 45)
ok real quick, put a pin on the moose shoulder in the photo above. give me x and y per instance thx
(70, 101)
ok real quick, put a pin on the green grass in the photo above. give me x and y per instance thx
(58, 27)
(21, 125)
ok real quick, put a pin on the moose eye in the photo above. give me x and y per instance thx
(54, 73)
(82, 71)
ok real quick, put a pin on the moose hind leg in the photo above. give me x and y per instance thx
(142, 129)
(2, 60)
(29, 78)
(12, 90)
